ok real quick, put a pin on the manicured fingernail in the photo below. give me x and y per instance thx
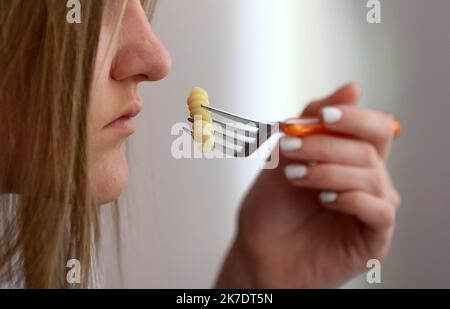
(296, 171)
(331, 115)
(328, 197)
(291, 144)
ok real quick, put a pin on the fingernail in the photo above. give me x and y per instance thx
(328, 197)
(296, 171)
(331, 115)
(291, 144)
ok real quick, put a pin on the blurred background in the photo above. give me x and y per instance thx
(267, 59)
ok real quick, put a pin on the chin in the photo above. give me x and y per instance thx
(110, 176)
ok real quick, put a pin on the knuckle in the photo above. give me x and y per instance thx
(397, 199)
(376, 183)
(324, 174)
(387, 216)
(371, 154)
(324, 148)
(386, 134)
(357, 198)
(330, 175)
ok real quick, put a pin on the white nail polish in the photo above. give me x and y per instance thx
(291, 144)
(331, 115)
(296, 171)
(328, 197)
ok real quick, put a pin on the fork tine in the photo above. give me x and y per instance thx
(232, 150)
(234, 126)
(260, 130)
(241, 139)
(231, 116)
(252, 134)
(232, 135)
(237, 126)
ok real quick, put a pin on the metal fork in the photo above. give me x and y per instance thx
(240, 137)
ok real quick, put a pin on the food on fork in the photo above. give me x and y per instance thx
(203, 130)
(246, 136)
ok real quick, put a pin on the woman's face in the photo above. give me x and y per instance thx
(136, 55)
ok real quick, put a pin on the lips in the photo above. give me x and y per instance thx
(125, 119)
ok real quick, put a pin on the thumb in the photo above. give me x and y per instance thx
(348, 94)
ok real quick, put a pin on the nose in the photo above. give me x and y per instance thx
(140, 54)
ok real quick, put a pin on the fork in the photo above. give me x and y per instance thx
(240, 137)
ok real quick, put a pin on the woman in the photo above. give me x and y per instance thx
(68, 94)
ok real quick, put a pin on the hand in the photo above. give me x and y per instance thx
(316, 225)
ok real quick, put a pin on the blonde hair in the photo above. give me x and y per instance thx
(48, 215)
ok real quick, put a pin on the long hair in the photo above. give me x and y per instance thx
(47, 212)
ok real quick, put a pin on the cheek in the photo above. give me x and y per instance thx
(109, 168)
(109, 173)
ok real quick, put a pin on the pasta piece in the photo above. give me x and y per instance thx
(203, 130)
(203, 113)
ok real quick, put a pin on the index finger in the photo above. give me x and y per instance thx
(348, 94)
(372, 126)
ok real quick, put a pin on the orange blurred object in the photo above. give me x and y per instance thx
(303, 130)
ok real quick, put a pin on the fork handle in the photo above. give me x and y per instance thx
(303, 130)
